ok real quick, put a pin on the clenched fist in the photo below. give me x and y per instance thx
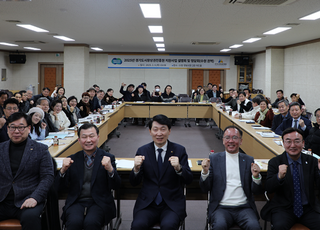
(205, 165)
(106, 163)
(67, 162)
(282, 171)
(175, 163)
(138, 160)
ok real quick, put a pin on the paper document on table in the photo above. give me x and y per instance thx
(60, 135)
(261, 128)
(267, 134)
(125, 164)
(46, 142)
(59, 161)
(263, 163)
(190, 163)
(246, 120)
(278, 142)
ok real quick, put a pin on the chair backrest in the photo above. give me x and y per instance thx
(183, 95)
(215, 99)
(185, 99)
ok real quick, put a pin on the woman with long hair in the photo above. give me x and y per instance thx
(38, 127)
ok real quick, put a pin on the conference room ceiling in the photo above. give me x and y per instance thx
(119, 26)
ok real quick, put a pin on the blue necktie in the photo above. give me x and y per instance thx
(158, 199)
(297, 204)
(296, 124)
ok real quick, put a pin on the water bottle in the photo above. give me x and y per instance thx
(211, 152)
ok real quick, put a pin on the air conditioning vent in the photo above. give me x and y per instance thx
(205, 43)
(259, 2)
(31, 42)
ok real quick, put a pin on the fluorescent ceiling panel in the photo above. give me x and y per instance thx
(313, 16)
(161, 49)
(96, 48)
(7, 44)
(251, 40)
(33, 28)
(64, 38)
(225, 50)
(150, 10)
(277, 30)
(158, 39)
(160, 45)
(155, 29)
(31, 48)
(236, 46)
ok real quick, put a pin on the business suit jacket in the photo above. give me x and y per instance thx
(287, 123)
(277, 120)
(170, 184)
(216, 181)
(283, 191)
(34, 176)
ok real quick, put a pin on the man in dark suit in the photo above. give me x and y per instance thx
(89, 175)
(26, 173)
(292, 177)
(45, 93)
(163, 167)
(10, 106)
(295, 121)
(279, 98)
(283, 107)
(231, 177)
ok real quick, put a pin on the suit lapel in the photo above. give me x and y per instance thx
(96, 165)
(306, 171)
(151, 156)
(6, 158)
(166, 163)
(27, 153)
(80, 167)
(222, 167)
(242, 165)
(289, 173)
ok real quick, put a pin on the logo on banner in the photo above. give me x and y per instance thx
(116, 61)
(220, 62)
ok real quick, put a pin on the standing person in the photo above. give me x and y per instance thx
(10, 106)
(293, 178)
(265, 115)
(38, 127)
(109, 98)
(163, 167)
(26, 174)
(43, 103)
(58, 117)
(84, 105)
(232, 178)
(127, 95)
(89, 175)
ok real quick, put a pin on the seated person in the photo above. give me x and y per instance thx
(84, 105)
(127, 95)
(26, 174)
(229, 98)
(3, 97)
(295, 121)
(25, 104)
(100, 96)
(215, 93)
(58, 93)
(18, 96)
(72, 107)
(243, 104)
(265, 115)
(293, 178)
(201, 97)
(283, 107)
(197, 92)
(252, 113)
(65, 109)
(209, 91)
(168, 96)
(279, 98)
(296, 98)
(145, 88)
(233, 102)
(96, 87)
(140, 94)
(109, 98)
(38, 127)
(313, 139)
(156, 94)
(93, 101)
(43, 103)
(58, 117)
(163, 167)
(10, 106)
(232, 178)
(45, 93)
(89, 175)
(248, 94)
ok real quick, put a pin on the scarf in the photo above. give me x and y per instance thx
(262, 115)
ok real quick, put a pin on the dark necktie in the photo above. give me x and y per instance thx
(297, 204)
(89, 161)
(295, 124)
(158, 199)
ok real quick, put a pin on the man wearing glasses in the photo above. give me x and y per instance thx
(232, 178)
(293, 178)
(10, 106)
(26, 172)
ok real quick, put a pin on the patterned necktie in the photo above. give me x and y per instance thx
(89, 161)
(296, 124)
(158, 199)
(297, 204)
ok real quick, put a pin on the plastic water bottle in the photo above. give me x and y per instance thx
(211, 152)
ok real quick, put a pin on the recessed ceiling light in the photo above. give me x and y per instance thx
(235, 46)
(7, 44)
(313, 16)
(277, 30)
(96, 48)
(225, 50)
(64, 38)
(158, 39)
(161, 49)
(150, 10)
(155, 29)
(159, 44)
(251, 40)
(31, 48)
(33, 28)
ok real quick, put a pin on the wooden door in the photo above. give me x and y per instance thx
(51, 75)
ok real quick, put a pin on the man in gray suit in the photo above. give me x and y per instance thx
(231, 177)
(26, 172)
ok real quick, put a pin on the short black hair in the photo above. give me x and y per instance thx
(209, 83)
(53, 103)
(264, 100)
(232, 127)
(157, 86)
(18, 115)
(3, 93)
(16, 94)
(71, 98)
(101, 91)
(110, 89)
(242, 93)
(256, 100)
(64, 90)
(45, 88)
(291, 130)
(95, 85)
(214, 85)
(231, 89)
(199, 86)
(279, 90)
(130, 85)
(293, 94)
(161, 119)
(10, 101)
(87, 126)
(166, 88)
(294, 104)
(315, 112)
(144, 84)
(247, 89)
(22, 91)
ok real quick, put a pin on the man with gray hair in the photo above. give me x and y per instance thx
(283, 107)
(43, 103)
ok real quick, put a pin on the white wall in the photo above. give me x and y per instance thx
(231, 75)
(259, 71)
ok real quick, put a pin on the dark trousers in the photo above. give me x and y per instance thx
(84, 214)
(29, 217)
(284, 218)
(148, 217)
(224, 217)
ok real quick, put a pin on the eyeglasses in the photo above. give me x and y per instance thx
(19, 128)
(235, 138)
(12, 108)
(289, 142)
